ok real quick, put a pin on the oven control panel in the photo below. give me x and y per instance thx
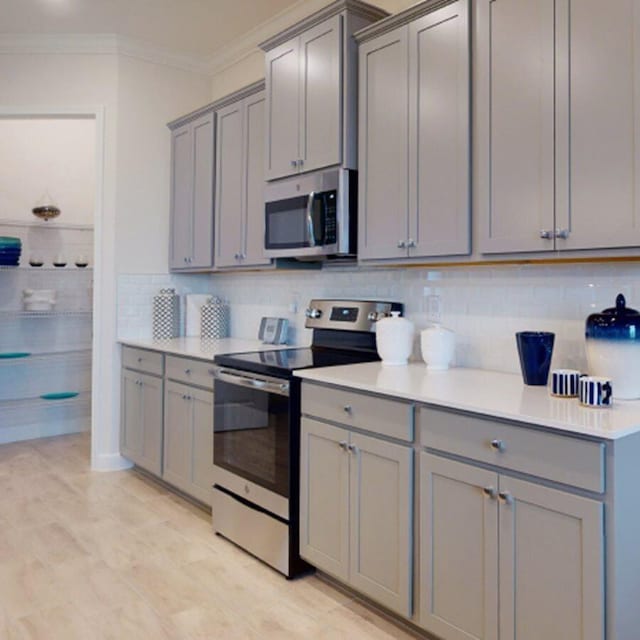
(349, 315)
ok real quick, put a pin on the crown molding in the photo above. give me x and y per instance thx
(100, 44)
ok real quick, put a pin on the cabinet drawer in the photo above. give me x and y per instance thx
(143, 360)
(196, 372)
(557, 457)
(378, 415)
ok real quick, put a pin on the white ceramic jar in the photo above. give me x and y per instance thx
(438, 347)
(394, 339)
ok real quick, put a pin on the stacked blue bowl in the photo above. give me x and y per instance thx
(10, 250)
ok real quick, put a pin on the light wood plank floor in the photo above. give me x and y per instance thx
(98, 556)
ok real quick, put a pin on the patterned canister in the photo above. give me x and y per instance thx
(214, 319)
(166, 314)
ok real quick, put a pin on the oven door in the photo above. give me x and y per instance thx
(251, 437)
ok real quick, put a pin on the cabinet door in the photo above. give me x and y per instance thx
(439, 133)
(515, 127)
(551, 564)
(253, 231)
(381, 495)
(229, 184)
(283, 99)
(180, 248)
(201, 479)
(203, 157)
(383, 147)
(141, 420)
(321, 95)
(458, 550)
(324, 497)
(598, 131)
(178, 442)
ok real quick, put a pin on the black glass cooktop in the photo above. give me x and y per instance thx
(283, 362)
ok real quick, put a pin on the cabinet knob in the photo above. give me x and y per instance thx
(294, 163)
(545, 234)
(300, 162)
(348, 409)
(242, 256)
(187, 372)
(562, 233)
(343, 444)
(498, 445)
(402, 244)
(352, 448)
(411, 243)
(505, 497)
(490, 492)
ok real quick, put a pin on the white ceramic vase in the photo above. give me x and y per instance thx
(438, 347)
(394, 339)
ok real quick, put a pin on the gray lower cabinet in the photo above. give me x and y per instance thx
(414, 134)
(556, 143)
(188, 440)
(507, 558)
(192, 177)
(356, 515)
(239, 207)
(141, 422)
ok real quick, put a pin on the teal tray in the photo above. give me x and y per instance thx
(14, 354)
(63, 395)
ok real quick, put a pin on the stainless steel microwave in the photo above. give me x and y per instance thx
(312, 216)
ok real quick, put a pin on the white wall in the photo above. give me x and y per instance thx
(149, 96)
(47, 161)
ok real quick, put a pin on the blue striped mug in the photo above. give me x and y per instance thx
(565, 383)
(595, 391)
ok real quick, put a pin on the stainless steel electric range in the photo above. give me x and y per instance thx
(256, 442)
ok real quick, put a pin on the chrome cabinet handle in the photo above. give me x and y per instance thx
(294, 163)
(498, 445)
(187, 372)
(343, 444)
(300, 162)
(347, 409)
(411, 243)
(402, 244)
(490, 492)
(352, 448)
(562, 233)
(139, 359)
(545, 234)
(242, 256)
(505, 497)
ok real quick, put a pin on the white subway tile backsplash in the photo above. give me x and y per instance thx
(485, 306)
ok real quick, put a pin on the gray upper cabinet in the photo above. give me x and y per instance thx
(311, 90)
(414, 134)
(557, 132)
(239, 207)
(192, 168)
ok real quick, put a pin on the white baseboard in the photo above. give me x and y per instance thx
(110, 462)
(42, 430)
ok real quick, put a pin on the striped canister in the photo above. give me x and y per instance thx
(214, 319)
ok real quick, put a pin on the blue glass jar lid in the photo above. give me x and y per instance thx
(615, 323)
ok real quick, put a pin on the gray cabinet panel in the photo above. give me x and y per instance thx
(141, 420)
(203, 155)
(201, 480)
(253, 232)
(324, 498)
(439, 132)
(381, 521)
(458, 550)
(598, 125)
(551, 564)
(283, 86)
(516, 123)
(229, 184)
(383, 197)
(181, 197)
(321, 95)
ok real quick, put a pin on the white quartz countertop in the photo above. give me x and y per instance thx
(198, 348)
(500, 395)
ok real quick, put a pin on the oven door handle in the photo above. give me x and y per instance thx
(280, 388)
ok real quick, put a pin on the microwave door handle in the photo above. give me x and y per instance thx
(310, 228)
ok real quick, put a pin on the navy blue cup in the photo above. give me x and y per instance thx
(535, 349)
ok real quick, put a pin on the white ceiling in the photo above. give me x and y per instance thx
(196, 27)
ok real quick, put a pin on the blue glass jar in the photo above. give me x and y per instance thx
(613, 347)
